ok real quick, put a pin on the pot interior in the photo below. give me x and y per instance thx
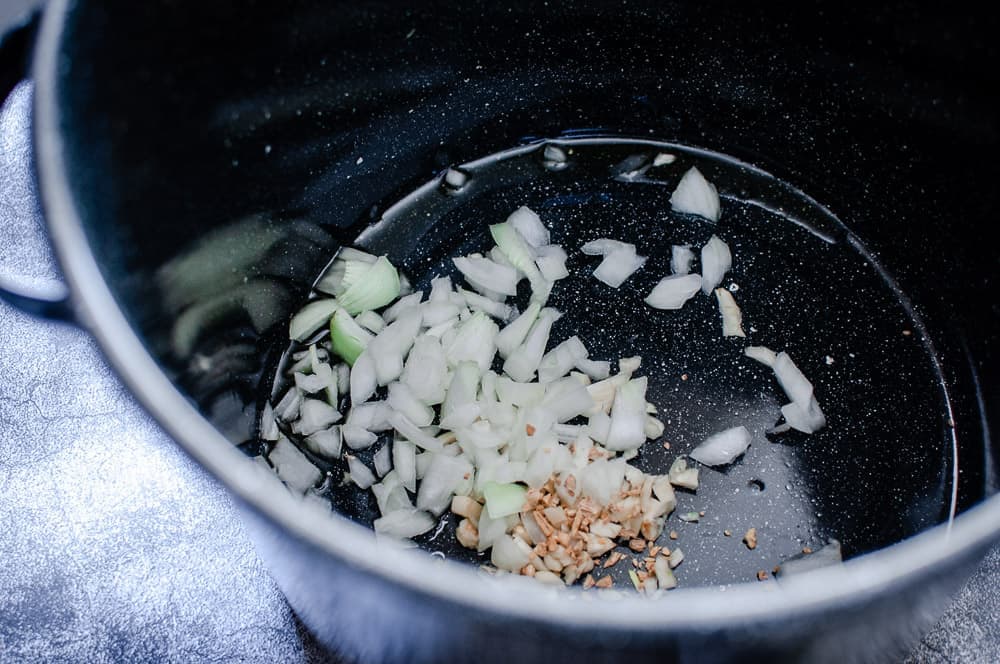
(220, 156)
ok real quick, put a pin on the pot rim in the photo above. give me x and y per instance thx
(683, 609)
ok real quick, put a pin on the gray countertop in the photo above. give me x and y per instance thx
(117, 547)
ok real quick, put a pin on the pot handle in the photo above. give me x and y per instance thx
(15, 49)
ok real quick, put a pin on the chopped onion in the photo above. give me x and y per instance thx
(513, 335)
(551, 262)
(326, 443)
(762, 354)
(371, 321)
(595, 369)
(401, 305)
(347, 338)
(314, 415)
(604, 246)
(321, 380)
(463, 388)
(391, 495)
(558, 361)
(311, 318)
(332, 280)
(682, 476)
(723, 447)
(293, 467)
(475, 342)
(363, 379)
(405, 523)
(618, 266)
(732, 317)
(375, 287)
(383, 461)
(806, 420)
(357, 438)
(696, 195)
(373, 416)
(523, 362)
(673, 291)
(477, 302)
(287, 409)
(402, 399)
(716, 259)
(482, 273)
(530, 226)
(412, 432)
(519, 394)
(404, 460)
(664, 575)
(443, 476)
(426, 370)
(268, 423)
(628, 416)
(681, 258)
(793, 381)
(360, 473)
(508, 554)
(567, 398)
(503, 499)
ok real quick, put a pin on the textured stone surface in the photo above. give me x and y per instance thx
(117, 547)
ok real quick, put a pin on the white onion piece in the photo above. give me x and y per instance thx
(595, 369)
(732, 317)
(806, 420)
(513, 335)
(716, 259)
(681, 258)
(477, 302)
(463, 388)
(315, 415)
(373, 416)
(391, 495)
(405, 523)
(604, 246)
(293, 467)
(475, 342)
(326, 443)
(426, 370)
(696, 195)
(522, 363)
(268, 423)
(357, 438)
(389, 347)
(628, 416)
(530, 226)
(490, 530)
(762, 354)
(441, 289)
(382, 460)
(599, 426)
(440, 480)
(287, 408)
(461, 416)
(618, 266)
(402, 304)
(402, 399)
(558, 361)
(404, 461)
(487, 274)
(360, 473)
(311, 318)
(363, 379)
(508, 554)
(413, 433)
(321, 380)
(601, 480)
(551, 262)
(371, 321)
(793, 381)
(673, 291)
(435, 313)
(567, 398)
(519, 394)
(723, 447)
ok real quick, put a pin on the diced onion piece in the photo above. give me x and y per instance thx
(371, 321)
(595, 369)
(293, 467)
(722, 448)
(793, 381)
(315, 415)
(426, 370)
(806, 420)
(372, 416)
(681, 258)
(287, 408)
(311, 318)
(475, 342)
(391, 495)
(503, 499)
(321, 380)
(402, 398)
(628, 417)
(477, 302)
(401, 305)
(716, 259)
(664, 575)
(412, 432)
(522, 363)
(347, 338)
(443, 476)
(326, 443)
(405, 523)
(357, 438)
(604, 246)
(762, 354)
(682, 476)
(567, 398)
(404, 460)
(696, 195)
(363, 379)
(485, 273)
(673, 291)
(558, 361)
(732, 317)
(551, 262)
(508, 554)
(377, 287)
(530, 226)
(383, 461)
(332, 281)
(519, 394)
(618, 266)
(513, 335)
(522, 257)
(360, 473)
(268, 424)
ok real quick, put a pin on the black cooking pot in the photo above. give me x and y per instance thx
(200, 163)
